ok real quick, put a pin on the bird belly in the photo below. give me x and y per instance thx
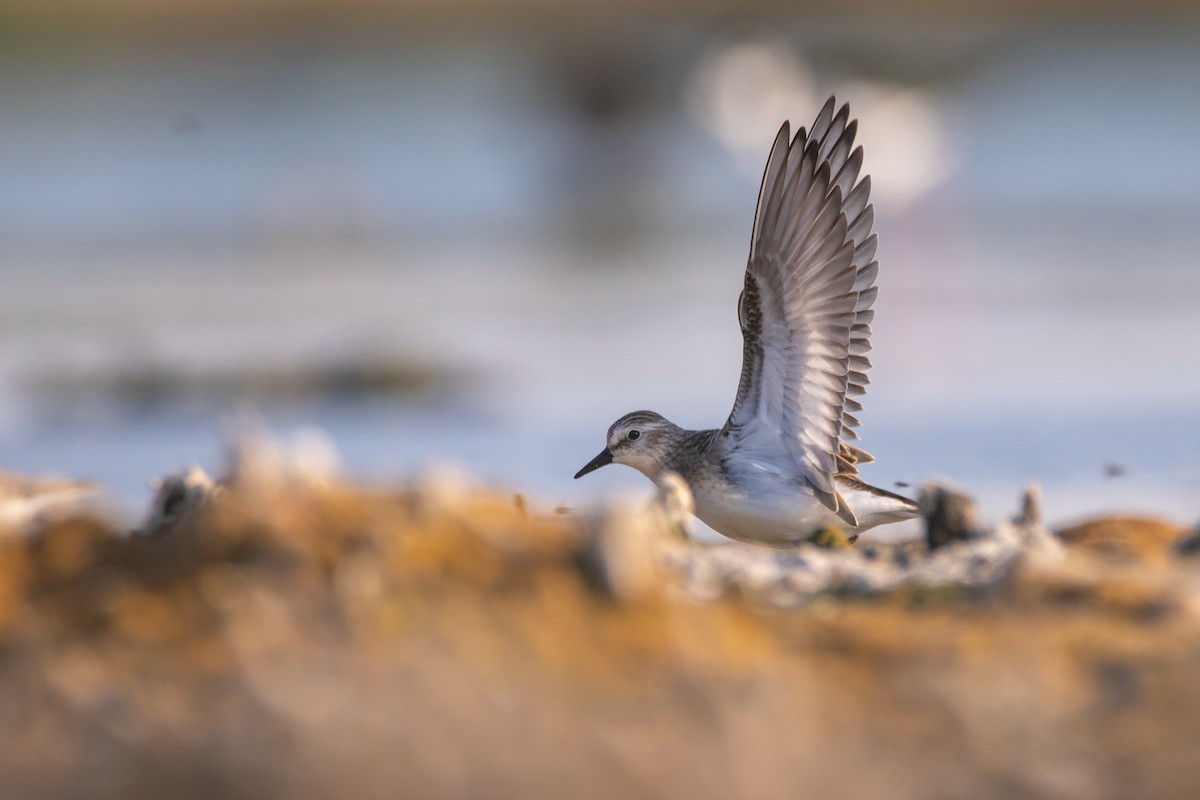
(784, 516)
(770, 518)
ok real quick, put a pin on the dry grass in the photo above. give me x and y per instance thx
(331, 642)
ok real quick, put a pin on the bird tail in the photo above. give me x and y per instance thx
(835, 503)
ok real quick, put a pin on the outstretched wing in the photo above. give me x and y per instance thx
(805, 310)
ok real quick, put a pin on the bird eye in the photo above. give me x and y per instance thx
(634, 435)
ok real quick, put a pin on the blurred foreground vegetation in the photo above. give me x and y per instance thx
(293, 638)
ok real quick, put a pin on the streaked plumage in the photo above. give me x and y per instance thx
(782, 464)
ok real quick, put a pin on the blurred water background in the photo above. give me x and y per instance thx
(445, 235)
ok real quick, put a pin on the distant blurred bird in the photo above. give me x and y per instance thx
(781, 467)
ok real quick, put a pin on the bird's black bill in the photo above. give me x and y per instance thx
(602, 460)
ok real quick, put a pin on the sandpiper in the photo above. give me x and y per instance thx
(781, 468)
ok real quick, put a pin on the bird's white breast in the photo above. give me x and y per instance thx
(779, 513)
(761, 515)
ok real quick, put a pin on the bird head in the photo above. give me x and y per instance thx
(641, 440)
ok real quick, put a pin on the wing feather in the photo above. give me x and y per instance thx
(805, 309)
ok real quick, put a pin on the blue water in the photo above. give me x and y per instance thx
(446, 203)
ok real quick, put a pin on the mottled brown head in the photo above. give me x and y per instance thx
(641, 440)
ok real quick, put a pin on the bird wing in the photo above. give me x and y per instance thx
(805, 310)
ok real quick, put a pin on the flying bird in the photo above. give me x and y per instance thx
(783, 466)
